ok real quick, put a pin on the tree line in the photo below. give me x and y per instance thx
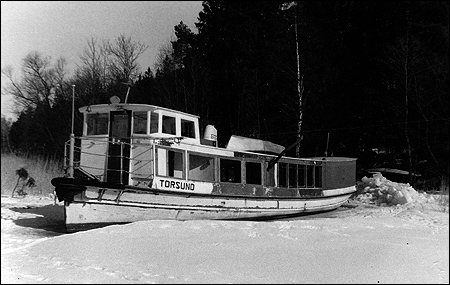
(365, 79)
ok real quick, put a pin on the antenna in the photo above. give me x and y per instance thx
(328, 140)
(129, 84)
(73, 106)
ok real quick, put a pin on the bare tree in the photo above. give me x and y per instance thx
(92, 77)
(122, 58)
(413, 67)
(41, 86)
(94, 66)
(165, 65)
(40, 81)
(300, 75)
(164, 57)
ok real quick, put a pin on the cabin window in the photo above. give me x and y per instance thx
(282, 175)
(253, 173)
(154, 122)
(175, 164)
(270, 176)
(97, 124)
(201, 167)
(170, 163)
(301, 174)
(187, 128)
(230, 171)
(310, 176)
(140, 122)
(168, 126)
(292, 175)
(297, 175)
(318, 176)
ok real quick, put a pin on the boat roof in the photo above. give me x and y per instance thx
(239, 143)
(106, 108)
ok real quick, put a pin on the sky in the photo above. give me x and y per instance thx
(62, 29)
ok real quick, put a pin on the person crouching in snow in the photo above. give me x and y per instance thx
(27, 181)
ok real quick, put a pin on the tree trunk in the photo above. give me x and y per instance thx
(300, 89)
(408, 141)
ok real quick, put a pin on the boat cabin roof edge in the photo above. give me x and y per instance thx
(106, 108)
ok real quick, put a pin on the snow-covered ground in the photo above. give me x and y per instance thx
(360, 243)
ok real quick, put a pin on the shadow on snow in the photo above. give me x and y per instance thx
(49, 218)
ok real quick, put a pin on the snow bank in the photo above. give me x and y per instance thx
(382, 192)
(350, 250)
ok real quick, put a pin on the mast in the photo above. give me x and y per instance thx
(72, 135)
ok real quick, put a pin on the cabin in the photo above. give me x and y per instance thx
(154, 147)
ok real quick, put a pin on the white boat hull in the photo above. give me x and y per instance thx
(116, 206)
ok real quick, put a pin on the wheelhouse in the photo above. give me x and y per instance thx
(137, 120)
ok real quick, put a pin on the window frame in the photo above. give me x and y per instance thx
(307, 175)
(154, 121)
(105, 115)
(247, 162)
(191, 127)
(135, 113)
(167, 162)
(231, 161)
(171, 124)
(213, 165)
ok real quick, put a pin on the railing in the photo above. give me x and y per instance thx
(91, 156)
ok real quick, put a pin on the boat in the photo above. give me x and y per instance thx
(136, 162)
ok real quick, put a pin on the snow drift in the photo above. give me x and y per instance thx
(382, 192)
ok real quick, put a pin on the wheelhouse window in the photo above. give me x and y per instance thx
(140, 123)
(170, 163)
(97, 124)
(201, 167)
(120, 126)
(168, 126)
(187, 128)
(154, 122)
(230, 170)
(253, 173)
